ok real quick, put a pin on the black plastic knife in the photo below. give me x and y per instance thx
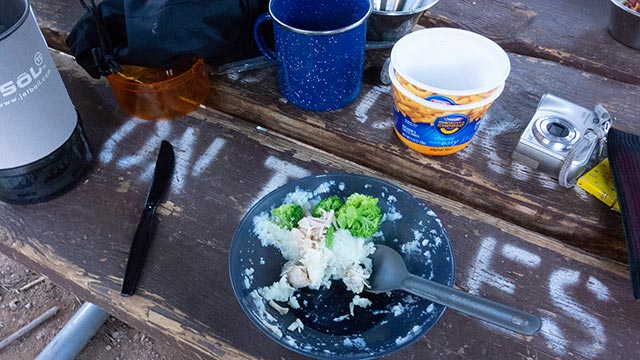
(142, 238)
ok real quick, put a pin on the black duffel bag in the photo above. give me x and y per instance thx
(156, 33)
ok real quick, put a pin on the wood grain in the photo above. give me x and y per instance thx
(81, 241)
(513, 230)
(572, 33)
(483, 175)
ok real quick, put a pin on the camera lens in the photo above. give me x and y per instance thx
(555, 133)
(557, 130)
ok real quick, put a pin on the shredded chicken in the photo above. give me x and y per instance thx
(311, 231)
(356, 279)
(281, 310)
(314, 264)
(297, 274)
(310, 262)
(296, 325)
(309, 237)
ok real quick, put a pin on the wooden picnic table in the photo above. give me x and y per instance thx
(518, 237)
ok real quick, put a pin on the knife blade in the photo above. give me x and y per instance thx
(162, 175)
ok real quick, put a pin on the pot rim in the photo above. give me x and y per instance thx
(18, 23)
(628, 10)
(402, 13)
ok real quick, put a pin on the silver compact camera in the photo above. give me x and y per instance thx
(562, 138)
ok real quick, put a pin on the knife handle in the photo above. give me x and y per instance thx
(139, 248)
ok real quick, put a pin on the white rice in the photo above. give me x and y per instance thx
(348, 259)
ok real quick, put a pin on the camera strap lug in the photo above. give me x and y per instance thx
(604, 124)
(596, 137)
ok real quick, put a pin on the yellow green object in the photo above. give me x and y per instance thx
(599, 183)
(360, 215)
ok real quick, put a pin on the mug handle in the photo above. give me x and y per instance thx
(259, 38)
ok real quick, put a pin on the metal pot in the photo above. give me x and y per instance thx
(624, 24)
(393, 19)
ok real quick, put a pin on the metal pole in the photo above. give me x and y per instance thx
(68, 343)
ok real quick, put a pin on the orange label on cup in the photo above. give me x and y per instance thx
(431, 130)
(443, 98)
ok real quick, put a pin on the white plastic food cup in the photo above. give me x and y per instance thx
(451, 63)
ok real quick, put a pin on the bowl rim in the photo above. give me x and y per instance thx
(363, 356)
(401, 13)
(443, 32)
(453, 108)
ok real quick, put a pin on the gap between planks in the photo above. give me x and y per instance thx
(205, 113)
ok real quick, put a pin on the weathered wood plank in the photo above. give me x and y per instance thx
(82, 240)
(483, 174)
(573, 33)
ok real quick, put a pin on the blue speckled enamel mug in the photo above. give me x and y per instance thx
(319, 50)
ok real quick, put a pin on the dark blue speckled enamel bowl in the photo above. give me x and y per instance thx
(393, 321)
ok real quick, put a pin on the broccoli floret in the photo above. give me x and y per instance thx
(360, 215)
(327, 204)
(287, 215)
